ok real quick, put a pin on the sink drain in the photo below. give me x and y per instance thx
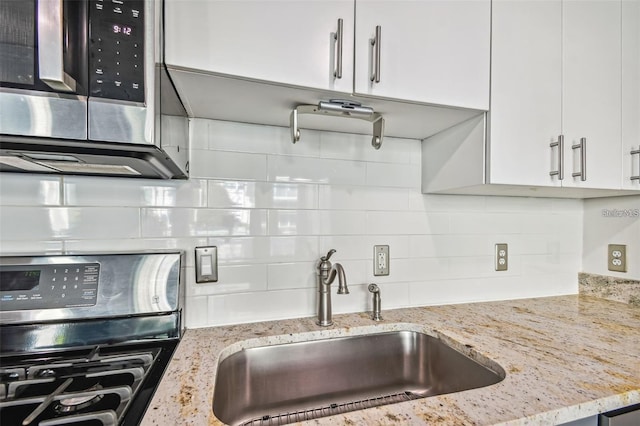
(331, 409)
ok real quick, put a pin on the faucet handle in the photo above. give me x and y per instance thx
(373, 288)
(329, 254)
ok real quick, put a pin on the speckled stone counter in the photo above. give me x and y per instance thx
(565, 358)
(612, 288)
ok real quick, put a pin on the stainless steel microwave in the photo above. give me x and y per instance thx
(83, 90)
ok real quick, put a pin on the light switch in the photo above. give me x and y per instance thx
(206, 264)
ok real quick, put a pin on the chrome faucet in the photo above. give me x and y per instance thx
(377, 305)
(326, 274)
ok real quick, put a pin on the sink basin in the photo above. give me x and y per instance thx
(292, 382)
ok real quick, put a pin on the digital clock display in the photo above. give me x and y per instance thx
(19, 280)
(122, 29)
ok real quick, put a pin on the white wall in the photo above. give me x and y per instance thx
(273, 208)
(607, 221)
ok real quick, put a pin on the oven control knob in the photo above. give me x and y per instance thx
(46, 373)
(9, 377)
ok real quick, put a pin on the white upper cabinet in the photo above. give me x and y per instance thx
(432, 51)
(631, 93)
(285, 41)
(592, 94)
(429, 51)
(526, 92)
(565, 94)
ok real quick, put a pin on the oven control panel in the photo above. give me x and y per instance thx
(116, 50)
(28, 287)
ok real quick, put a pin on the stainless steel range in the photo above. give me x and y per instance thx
(85, 339)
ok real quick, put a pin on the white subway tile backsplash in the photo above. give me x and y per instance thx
(289, 249)
(449, 203)
(355, 301)
(486, 223)
(92, 245)
(20, 247)
(22, 189)
(28, 223)
(463, 290)
(389, 199)
(227, 165)
(231, 194)
(234, 250)
(423, 269)
(273, 208)
(356, 271)
(519, 204)
(294, 222)
(181, 222)
(315, 170)
(242, 137)
(393, 175)
(481, 266)
(336, 197)
(361, 247)
(262, 306)
(549, 264)
(342, 222)
(407, 223)
(92, 191)
(231, 279)
(197, 312)
(552, 224)
(453, 245)
(291, 275)
(199, 133)
(559, 205)
(358, 147)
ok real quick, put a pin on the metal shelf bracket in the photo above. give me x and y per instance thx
(339, 108)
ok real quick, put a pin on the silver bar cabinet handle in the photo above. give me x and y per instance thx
(636, 152)
(338, 37)
(375, 77)
(560, 144)
(583, 159)
(51, 46)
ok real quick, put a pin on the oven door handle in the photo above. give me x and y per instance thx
(51, 46)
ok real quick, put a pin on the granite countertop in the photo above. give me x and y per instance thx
(565, 358)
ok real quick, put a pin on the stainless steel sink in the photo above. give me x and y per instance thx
(301, 381)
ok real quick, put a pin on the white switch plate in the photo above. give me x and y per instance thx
(380, 260)
(206, 264)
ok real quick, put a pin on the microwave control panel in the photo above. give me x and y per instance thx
(29, 287)
(116, 50)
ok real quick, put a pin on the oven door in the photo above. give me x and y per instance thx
(628, 416)
(43, 68)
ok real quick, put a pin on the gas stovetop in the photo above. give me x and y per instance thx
(85, 339)
(92, 386)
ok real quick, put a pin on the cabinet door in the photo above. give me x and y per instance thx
(433, 51)
(591, 92)
(526, 90)
(284, 41)
(630, 92)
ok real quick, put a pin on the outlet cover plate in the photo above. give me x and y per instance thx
(617, 257)
(380, 260)
(502, 257)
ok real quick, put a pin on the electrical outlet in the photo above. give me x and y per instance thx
(617, 257)
(380, 260)
(502, 257)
